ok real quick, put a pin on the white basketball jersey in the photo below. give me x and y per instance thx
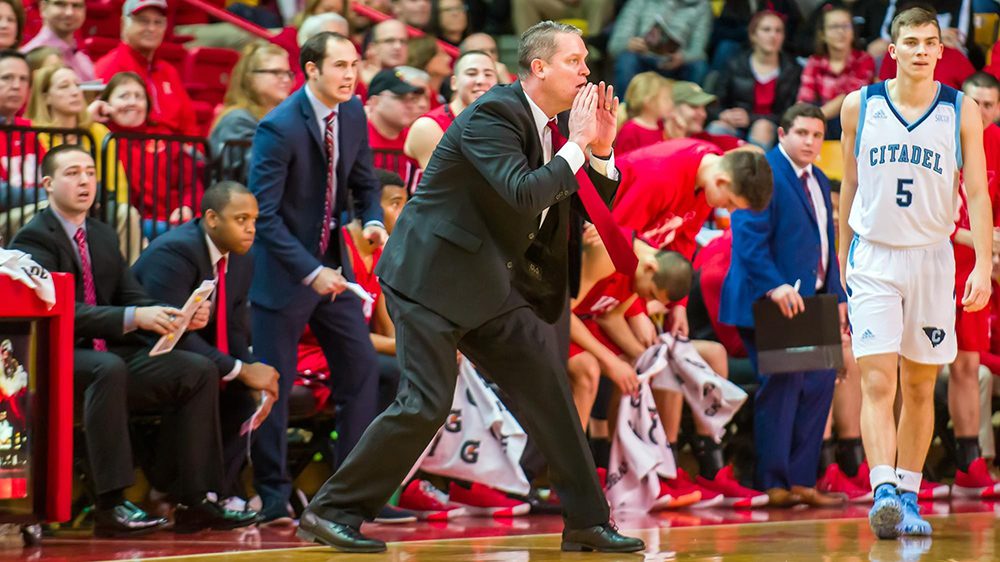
(907, 172)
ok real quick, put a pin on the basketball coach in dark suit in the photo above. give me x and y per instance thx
(114, 375)
(310, 160)
(468, 267)
(214, 248)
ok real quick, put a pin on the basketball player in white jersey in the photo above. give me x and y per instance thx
(905, 141)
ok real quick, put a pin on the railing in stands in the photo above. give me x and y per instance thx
(164, 176)
(21, 151)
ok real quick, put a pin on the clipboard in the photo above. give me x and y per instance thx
(167, 342)
(808, 342)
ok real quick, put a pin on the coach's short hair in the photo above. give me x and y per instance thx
(982, 80)
(915, 16)
(801, 109)
(49, 163)
(217, 197)
(751, 177)
(539, 42)
(314, 49)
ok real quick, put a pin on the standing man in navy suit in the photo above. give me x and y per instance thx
(785, 252)
(310, 160)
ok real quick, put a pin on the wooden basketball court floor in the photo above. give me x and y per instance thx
(963, 531)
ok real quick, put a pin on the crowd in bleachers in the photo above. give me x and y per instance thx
(166, 103)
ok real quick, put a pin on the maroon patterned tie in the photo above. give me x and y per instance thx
(331, 181)
(89, 291)
(617, 245)
(812, 207)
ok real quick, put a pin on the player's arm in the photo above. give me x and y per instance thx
(620, 372)
(424, 136)
(849, 184)
(617, 328)
(977, 288)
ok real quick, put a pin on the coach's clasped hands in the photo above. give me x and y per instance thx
(593, 119)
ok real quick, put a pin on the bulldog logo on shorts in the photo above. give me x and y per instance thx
(936, 335)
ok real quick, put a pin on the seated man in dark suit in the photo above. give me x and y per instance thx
(114, 374)
(175, 264)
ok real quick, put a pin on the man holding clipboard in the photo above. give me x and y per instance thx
(784, 253)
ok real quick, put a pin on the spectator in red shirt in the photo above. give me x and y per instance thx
(951, 70)
(689, 104)
(475, 74)
(668, 190)
(392, 107)
(20, 153)
(836, 69)
(649, 107)
(985, 89)
(758, 86)
(144, 23)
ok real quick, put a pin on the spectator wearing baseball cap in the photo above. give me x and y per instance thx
(61, 19)
(144, 24)
(689, 105)
(393, 105)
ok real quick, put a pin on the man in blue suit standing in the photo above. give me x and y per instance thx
(785, 252)
(311, 165)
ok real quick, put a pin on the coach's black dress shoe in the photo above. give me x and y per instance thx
(208, 514)
(125, 520)
(341, 537)
(600, 538)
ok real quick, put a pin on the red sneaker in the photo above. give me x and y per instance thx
(976, 483)
(709, 498)
(483, 500)
(733, 494)
(930, 491)
(834, 481)
(429, 503)
(675, 493)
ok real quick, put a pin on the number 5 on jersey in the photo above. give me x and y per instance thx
(903, 195)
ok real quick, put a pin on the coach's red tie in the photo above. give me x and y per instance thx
(331, 181)
(89, 290)
(812, 207)
(617, 245)
(221, 330)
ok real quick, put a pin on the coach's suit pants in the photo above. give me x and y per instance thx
(183, 387)
(790, 413)
(518, 351)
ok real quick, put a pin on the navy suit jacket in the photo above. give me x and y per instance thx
(778, 245)
(174, 265)
(288, 176)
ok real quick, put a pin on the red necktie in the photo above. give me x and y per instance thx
(812, 207)
(618, 246)
(221, 332)
(89, 290)
(331, 181)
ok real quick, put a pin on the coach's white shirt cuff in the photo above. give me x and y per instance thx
(573, 155)
(235, 372)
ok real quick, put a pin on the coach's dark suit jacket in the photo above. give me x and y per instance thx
(288, 156)
(470, 234)
(115, 286)
(174, 266)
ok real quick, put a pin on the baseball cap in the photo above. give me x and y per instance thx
(132, 6)
(690, 93)
(392, 80)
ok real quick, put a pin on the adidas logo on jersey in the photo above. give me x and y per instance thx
(868, 335)
(936, 335)
(880, 115)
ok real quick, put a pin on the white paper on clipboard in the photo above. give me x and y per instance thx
(168, 341)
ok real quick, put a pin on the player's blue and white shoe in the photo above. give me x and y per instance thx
(912, 524)
(887, 512)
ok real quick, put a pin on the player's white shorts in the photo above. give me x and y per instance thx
(902, 300)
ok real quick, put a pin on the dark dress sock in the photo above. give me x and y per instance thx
(709, 456)
(966, 451)
(850, 455)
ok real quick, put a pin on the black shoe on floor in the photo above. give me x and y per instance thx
(208, 514)
(125, 520)
(600, 538)
(340, 537)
